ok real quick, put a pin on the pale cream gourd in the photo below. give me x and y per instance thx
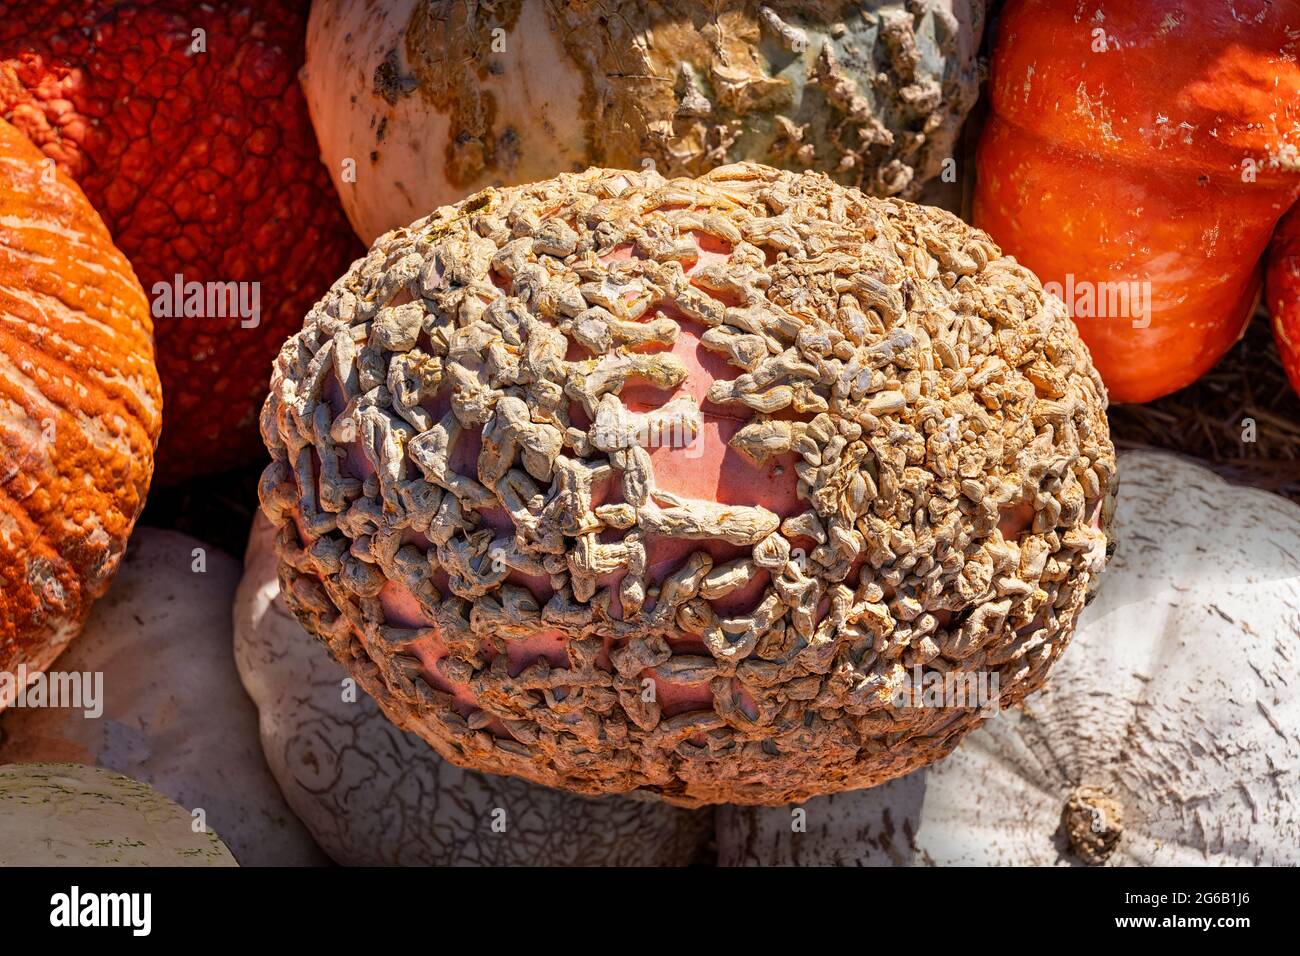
(1169, 734)
(173, 713)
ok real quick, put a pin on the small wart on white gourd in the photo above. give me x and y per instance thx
(1093, 821)
(620, 483)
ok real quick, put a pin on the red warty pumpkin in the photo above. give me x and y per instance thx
(1139, 154)
(186, 128)
(80, 408)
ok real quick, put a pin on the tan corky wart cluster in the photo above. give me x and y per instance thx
(870, 92)
(452, 496)
(1093, 820)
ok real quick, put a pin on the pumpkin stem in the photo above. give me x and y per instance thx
(1094, 820)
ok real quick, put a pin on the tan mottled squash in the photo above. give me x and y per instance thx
(80, 407)
(69, 815)
(419, 103)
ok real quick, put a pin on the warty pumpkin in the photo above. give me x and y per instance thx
(79, 408)
(418, 103)
(621, 483)
(1142, 151)
(1168, 736)
(373, 795)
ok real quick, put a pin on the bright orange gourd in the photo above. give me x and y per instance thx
(80, 407)
(1283, 293)
(1136, 142)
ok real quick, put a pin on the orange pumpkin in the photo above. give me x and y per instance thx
(80, 408)
(1141, 152)
(1283, 293)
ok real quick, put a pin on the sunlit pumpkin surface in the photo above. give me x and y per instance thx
(887, 452)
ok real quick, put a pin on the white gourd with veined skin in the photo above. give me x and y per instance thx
(1170, 729)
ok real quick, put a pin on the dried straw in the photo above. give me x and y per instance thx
(1209, 420)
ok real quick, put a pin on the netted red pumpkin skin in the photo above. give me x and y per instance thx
(619, 483)
(80, 407)
(203, 164)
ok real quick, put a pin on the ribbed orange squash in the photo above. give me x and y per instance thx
(80, 407)
(1144, 150)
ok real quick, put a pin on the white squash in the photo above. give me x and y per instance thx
(70, 815)
(1168, 734)
(174, 713)
(373, 795)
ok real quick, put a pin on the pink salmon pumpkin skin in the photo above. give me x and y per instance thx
(618, 483)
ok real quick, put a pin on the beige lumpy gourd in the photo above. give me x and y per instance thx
(66, 815)
(619, 483)
(418, 103)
